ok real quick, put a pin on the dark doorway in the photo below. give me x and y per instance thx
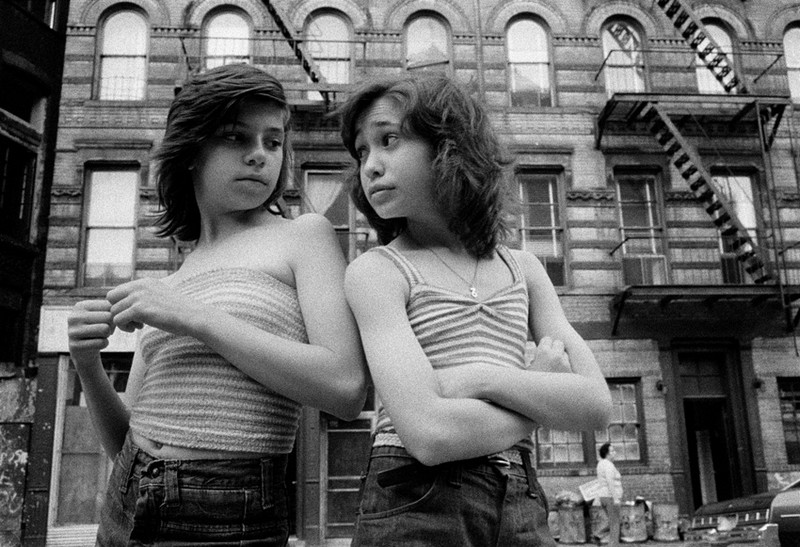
(717, 450)
(708, 435)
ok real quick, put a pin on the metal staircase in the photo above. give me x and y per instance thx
(687, 161)
(692, 31)
(305, 61)
(684, 156)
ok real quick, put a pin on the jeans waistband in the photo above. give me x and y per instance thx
(416, 469)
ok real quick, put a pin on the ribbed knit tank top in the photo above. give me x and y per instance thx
(192, 397)
(454, 329)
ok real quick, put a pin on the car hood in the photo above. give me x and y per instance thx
(737, 505)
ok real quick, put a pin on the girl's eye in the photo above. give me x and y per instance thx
(274, 143)
(389, 139)
(233, 137)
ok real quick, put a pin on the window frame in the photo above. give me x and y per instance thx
(654, 205)
(591, 441)
(708, 83)
(206, 39)
(448, 32)
(88, 173)
(558, 229)
(548, 63)
(640, 84)
(310, 42)
(793, 62)
(792, 456)
(101, 55)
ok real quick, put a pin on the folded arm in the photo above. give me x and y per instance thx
(568, 394)
(327, 373)
(433, 428)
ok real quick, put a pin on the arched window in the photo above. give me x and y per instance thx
(624, 59)
(227, 39)
(791, 49)
(528, 63)
(706, 81)
(427, 44)
(123, 57)
(328, 43)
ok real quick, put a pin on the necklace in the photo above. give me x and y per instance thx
(473, 291)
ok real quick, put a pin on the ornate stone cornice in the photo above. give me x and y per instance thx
(590, 195)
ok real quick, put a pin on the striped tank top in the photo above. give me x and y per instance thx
(192, 397)
(455, 329)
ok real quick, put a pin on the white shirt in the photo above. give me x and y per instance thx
(607, 471)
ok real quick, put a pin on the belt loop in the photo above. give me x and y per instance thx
(530, 472)
(128, 459)
(266, 482)
(172, 492)
(454, 472)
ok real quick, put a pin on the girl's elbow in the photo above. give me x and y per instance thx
(352, 395)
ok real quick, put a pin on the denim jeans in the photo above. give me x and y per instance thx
(472, 503)
(194, 502)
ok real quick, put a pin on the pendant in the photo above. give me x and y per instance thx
(473, 291)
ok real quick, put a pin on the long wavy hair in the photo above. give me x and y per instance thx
(205, 102)
(469, 166)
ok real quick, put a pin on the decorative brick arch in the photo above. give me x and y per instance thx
(157, 13)
(458, 20)
(779, 22)
(358, 18)
(255, 9)
(549, 12)
(732, 19)
(651, 25)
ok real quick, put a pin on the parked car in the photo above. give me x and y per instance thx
(740, 519)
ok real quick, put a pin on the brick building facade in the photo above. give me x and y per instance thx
(656, 156)
(31, 62)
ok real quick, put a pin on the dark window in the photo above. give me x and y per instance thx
(789, 393)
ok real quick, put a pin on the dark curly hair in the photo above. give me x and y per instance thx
(469, 165)
(204, 103)
(603, 451)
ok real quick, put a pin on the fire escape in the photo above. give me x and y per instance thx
(738, 111)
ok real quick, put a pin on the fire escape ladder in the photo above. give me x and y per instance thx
(686, 159)
(695, 34)
(306, 62)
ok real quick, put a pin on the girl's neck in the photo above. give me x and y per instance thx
(220, 228)
(422, 236)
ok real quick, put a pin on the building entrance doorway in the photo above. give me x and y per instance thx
(711, 458)
(716, 441)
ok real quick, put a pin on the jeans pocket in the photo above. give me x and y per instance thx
(401, 496)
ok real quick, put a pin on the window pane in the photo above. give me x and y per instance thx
(791, 50)
(111, 227)
(706, 81)
(529, 63)
(123, 57)
(625, 431)
(640, 224)
(426, 43)
(554, 446)
(125, 33)
(227, 40)
(328, 44)
(122, 79)
(324, 193)
(113, 198)
(624, 63)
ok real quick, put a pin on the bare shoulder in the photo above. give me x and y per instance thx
(373, 271)
(531, 266)
(312, 222)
